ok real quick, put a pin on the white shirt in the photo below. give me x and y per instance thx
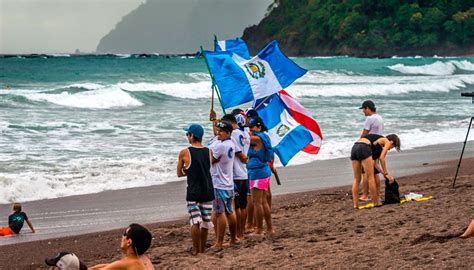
(374, 124)
(241, 140)
(222, 171)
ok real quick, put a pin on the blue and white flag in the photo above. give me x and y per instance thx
(288, 137)
(240, 81)
(237, 46)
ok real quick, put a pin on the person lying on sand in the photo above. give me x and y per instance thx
(65, 261)
(469, 231)
(135, 242)
(15, 222)
(364, 154)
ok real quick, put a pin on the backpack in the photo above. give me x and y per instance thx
(392, 195)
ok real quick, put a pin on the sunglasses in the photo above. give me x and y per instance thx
(125, 234)
(188, 134)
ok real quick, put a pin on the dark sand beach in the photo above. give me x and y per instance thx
(317, 229)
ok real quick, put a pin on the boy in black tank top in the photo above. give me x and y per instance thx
(194, 162)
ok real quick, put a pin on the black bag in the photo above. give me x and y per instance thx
(391, 192)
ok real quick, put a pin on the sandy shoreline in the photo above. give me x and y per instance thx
(314, 229)
(76, 215)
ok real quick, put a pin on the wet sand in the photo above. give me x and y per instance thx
(317, 229)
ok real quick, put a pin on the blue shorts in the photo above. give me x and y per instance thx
(223, 201)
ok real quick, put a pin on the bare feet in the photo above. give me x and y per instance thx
(364, 198)
(216, 246)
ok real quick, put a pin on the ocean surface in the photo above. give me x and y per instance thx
(84, 124)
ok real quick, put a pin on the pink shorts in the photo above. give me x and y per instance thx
(262, 184)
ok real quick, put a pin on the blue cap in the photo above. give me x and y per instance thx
(196, 130)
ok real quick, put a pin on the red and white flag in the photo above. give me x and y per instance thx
(303, 116)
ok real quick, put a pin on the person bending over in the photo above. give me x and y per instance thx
(366, 153)
(135, 242)
(15, 222)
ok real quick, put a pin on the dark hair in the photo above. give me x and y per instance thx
(396, 141)
(141, 238)
(257, 122)
(237, 111)
(196, 139)
(229, 118)
(225, 126)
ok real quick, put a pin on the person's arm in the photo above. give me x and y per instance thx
(242, 157)
(255, 140)
(183, 162)
(214, 159)
(30, 225)
(364, 132)
(386, 147)
(99, 266)
(367, 126)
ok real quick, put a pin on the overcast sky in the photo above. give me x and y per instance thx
(58, 26)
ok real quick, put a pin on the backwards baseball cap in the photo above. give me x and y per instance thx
(66, 261)
(368, 104)
(196, 130)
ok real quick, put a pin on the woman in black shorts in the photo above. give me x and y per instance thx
(365, 153)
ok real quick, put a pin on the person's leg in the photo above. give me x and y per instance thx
(231, 219)
(368, 165)
(356, 168)
(377, 186)
(238, 217)
(203, 240)
(365, 189)
(269, 196)
(220, 228)
(250, 214)
(267, 213)
(469, 231)
(196, 236)
(258, 197)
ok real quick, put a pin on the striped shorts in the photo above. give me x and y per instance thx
(200, 213)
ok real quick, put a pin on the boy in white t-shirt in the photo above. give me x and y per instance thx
(241, 139)
(223, 154)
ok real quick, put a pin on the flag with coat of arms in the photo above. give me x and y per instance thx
(240, 81)
(290, 126)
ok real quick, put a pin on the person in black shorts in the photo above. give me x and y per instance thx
(15, 222)
(366, 153)
(194, 162)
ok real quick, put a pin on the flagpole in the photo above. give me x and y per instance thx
(214, 87)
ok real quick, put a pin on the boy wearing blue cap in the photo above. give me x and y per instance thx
(194, 162)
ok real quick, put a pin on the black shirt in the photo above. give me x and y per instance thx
(376, 149)
(200, 188)
(16, 220)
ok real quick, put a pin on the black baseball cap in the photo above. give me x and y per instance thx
(368, 104)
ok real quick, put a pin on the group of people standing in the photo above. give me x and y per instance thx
(228, 181)
(368, 156)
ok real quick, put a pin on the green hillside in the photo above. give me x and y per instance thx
(367, 27)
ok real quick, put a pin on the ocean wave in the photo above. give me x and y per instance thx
(180, 90)
(86, 176)
(316, 84)
(341, 147)
(436, 68)
(99, 99)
